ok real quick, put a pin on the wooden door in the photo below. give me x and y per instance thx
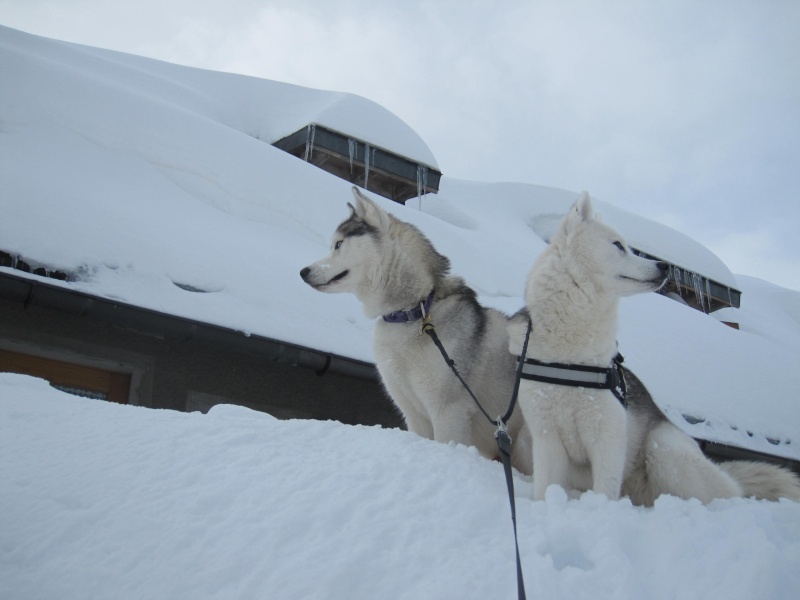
(76, 379)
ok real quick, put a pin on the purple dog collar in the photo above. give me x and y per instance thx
(409, 316)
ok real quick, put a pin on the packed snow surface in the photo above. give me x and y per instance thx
(107, 501)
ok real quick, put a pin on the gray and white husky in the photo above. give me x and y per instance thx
(400, 278)
(397, 274)
(583, 438)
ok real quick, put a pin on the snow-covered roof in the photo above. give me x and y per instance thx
(144, 180)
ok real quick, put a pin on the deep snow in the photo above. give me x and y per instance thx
(107, 501)
(135, 176)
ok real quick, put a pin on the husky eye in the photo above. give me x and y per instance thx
(338, 245)
(620, 246)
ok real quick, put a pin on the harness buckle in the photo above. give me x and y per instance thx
(613, 377)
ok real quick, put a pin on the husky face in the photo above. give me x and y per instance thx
(597, 256)
(386, 263)
(352, 245)
(351, 264)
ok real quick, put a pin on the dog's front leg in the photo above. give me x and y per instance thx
(451, 423)
(418, 423)
(605, 439)
(607, 469)
(550, 462)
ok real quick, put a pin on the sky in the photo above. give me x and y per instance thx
(686, 113)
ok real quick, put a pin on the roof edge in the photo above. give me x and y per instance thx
(30, 291)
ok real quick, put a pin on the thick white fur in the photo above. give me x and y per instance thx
(671, 462)
(665, 460)
(572, 295)
(389, 265)
(394, 266)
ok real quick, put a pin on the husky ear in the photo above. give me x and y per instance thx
(584, 206)
(368, 211)
(580, 212)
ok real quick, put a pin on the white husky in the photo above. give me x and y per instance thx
(583, 438)
(394, 270)
(572, 295)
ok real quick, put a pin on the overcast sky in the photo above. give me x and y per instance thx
(686, 112)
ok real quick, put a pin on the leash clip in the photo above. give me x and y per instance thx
(502, 437)
(425, 322)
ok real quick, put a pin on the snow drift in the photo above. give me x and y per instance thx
(107, 501)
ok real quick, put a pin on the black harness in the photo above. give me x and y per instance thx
(610, 378)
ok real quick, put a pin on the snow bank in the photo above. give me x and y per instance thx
(108, 501)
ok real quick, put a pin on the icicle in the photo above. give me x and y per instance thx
(708, 293)
(422, 183)
(697, 284)
(366, 165)
(675, 276)
(352, 148)
(310, 132)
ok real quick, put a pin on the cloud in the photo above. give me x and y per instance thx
(758, 253)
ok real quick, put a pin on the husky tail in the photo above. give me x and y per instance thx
(762, 480)
(666, 460)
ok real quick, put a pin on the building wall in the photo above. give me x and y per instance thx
(193, 375)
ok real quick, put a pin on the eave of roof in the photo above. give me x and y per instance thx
(35, 290)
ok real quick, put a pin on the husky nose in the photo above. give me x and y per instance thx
(304, 272)
(663, 267)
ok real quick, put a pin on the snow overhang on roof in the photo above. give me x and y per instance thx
(696, 290)
(375, 169)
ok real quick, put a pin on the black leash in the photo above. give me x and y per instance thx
(428, 328)
(501, 435)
